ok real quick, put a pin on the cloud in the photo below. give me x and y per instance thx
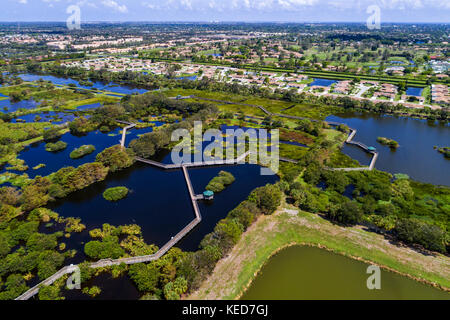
(114, 5)
(23, 1)
(227, 5)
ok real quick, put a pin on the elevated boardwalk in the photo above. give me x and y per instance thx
(166, 247)
(332, 123)
(124, 131)
(50, 280)
(194, 198)
(362, 146)
(218, 162)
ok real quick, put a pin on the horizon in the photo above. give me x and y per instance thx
(250, 11)
(224, 22)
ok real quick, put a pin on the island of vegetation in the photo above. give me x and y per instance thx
(219, 183)
(388, 142)
(55, 147)
(445, 151)
(82, 151)
(115, 194)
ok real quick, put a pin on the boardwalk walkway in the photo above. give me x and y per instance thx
(124, 131)
(194, 198)
(172, 242)
(332, 123)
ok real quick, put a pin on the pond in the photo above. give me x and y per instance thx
(48, 116)
(36, 154)
(322, 82)
(300, 272)
(159, 203)
(123, 89)
(89, 106)
(7, 106)
(192, 78)
(415, 156)
(121, 288)
(414, 91)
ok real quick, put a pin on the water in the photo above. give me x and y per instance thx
(414, 91)
(192, 78)
(35, 154)
(123, 89)
(248, 178)
(7, 106)
(121, 288)
(396, 62)
(89, 106)
(415, 156)
(49, 116)
(322, 82)
(297, 273)
(158, 202)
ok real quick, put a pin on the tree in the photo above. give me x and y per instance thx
(52, 133)
(116, 158)
(81, 125)
(229, 230)
(50, 293)
(146, 276)
(9, 195)
(335, 180)
(415, 231)
(266, 198)
(347, 213)
(35, 194)
(107, 248)
(173, 290)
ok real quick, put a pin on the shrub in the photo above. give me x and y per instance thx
(388, 142)
(146, 276)
(218, 183)
(347, 213)
(82, 151)
(108, 248)
(266, 198)
(52, 133)
(115, 194)
(116, 158)
(415, 231)
(54, 147)
(81, 125)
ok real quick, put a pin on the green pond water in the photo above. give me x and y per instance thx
(312, 273)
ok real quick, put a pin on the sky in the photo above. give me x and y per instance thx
(228, 10)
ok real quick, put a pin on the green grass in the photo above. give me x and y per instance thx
(292, 151)
(270, 234)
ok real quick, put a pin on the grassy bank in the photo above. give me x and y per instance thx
(234, 273)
